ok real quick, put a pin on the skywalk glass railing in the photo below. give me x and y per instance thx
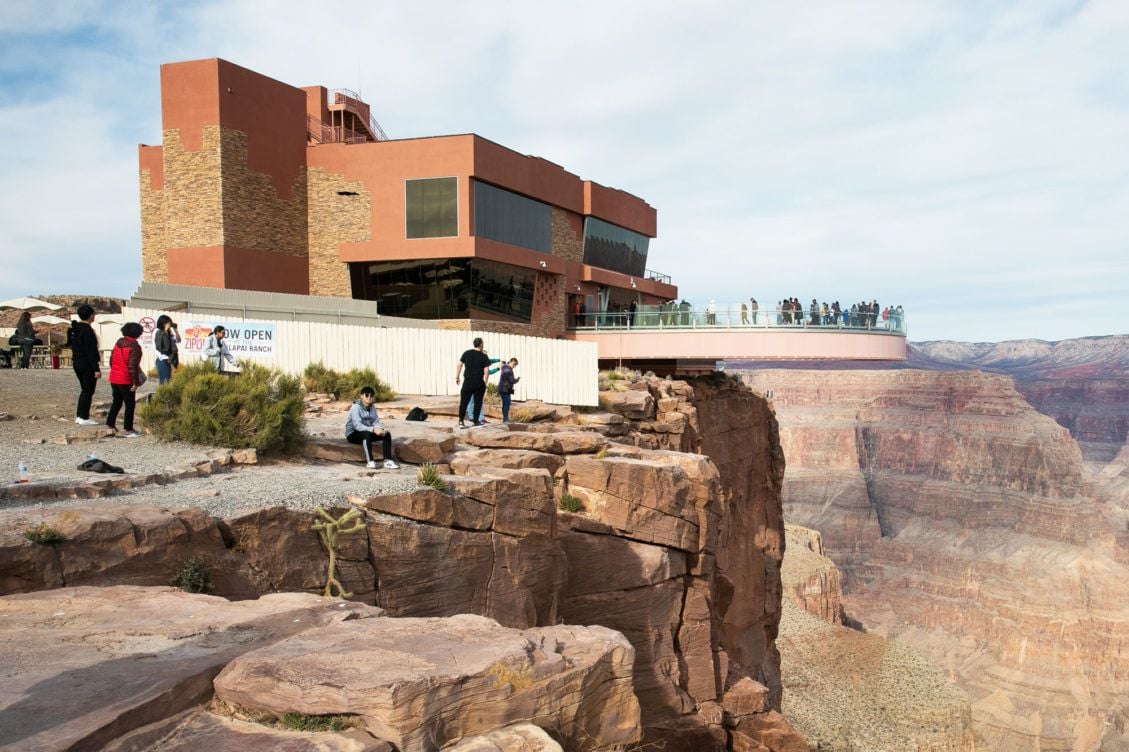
(733, 317)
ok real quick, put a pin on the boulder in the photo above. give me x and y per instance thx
(84, 666)
(423, 683)
(433, 507)
(746, 697)
(469, 461)
(521, 737)
(116, 545)
(645, 500)
(522, 500)
(562, 442)
(633, 404)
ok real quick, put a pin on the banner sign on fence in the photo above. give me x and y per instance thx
(244, 339)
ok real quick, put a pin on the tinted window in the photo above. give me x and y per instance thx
(513, 219)
(432, 208)
(612, 247)
(448, 289)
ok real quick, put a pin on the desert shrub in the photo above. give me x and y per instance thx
(429, 475)
(260, 408)
(492, 396)
(44, 534)
(570, 503)
(521, 416)
(347, 386)
(303, 722)
(615, 376)
(193, 577)
(602, 453)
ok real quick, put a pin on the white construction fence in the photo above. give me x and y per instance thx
(411, 361)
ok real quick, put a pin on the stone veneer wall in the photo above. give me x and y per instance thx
(154, 261)
(334, 219)
(567, 244)
(254, 216)
(193, 206)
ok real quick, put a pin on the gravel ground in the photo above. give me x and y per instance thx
(42, 403)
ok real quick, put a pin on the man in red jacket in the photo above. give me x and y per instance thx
(125, 377)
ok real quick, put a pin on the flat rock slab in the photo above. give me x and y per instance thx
(81, 667)
(413, 443)
(216, 733)
(424, 683)
(562, 442)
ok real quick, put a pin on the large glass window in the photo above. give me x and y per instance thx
(447, 289)
(432, 208)
(612, 247)
(509, 218)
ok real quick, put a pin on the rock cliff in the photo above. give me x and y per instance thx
(967, 528)
(678, 552)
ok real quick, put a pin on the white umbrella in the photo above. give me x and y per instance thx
(29, 304)
(48, 319)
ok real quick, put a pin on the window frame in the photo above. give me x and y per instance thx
(457, 212)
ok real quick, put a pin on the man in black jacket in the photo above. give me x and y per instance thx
(84, 349)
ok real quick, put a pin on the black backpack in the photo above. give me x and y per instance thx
(416, 413)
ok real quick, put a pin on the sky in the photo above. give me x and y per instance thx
(966, 160)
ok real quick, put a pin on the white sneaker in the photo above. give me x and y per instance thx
(370, 465)
(390, 465)
(86, 422)
(131, 435)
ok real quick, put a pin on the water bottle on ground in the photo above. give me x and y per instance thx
(23, 472)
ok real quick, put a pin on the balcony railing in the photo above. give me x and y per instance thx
(657, 276)
(732, 317)
(352, 99)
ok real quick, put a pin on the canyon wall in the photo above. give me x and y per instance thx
(967, 528)
(678, 553)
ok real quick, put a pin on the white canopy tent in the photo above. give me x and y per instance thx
(29, 304)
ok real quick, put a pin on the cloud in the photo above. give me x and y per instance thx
(962, 159)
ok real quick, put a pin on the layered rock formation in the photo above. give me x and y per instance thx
(848, 690)
(678, 553)
(966, 528)
(121, 667)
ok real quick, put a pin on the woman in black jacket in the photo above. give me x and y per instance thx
(164, 342)
(85, 358)
(25, 336)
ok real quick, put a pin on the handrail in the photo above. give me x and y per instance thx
(732, 317)
(319, 132)
(348, 96)
(657, 276)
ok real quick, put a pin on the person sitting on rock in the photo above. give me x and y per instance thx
(362, 426)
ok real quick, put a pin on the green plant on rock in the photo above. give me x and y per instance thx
(602, 453)
(303, 722)
(44, 534)
(328, 530)
(521, 416)
(570, 503)
(429, 475)
(347, 386)
(260, 408)
(193, 576)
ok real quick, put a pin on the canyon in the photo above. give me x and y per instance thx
(496, 605)
(969, 527)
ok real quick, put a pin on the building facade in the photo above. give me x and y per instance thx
(259, 185)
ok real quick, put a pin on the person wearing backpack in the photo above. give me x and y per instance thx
(506, 384)
(125, 376)
(86, 361)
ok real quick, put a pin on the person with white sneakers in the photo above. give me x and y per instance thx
(85, 358)
(362, 426)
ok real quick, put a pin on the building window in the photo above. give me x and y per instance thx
(447, 289)
(612, 247)
(432, 208)
(509, 218)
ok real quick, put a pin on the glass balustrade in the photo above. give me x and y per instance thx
(733, 317)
